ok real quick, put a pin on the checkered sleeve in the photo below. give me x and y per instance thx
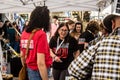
(79, 67)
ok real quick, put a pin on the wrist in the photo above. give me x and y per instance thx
(54, 57)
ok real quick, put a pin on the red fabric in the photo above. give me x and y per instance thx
(38, 44)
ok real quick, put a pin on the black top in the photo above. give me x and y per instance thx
(65, 52)
(11, 34)
(4, 29)
(87, 36)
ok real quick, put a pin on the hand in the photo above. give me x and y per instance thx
(1, 37)
(85, 45)
(57, 59)
(76, 54)
(6, 40)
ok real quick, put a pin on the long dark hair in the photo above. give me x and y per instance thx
(5, 27)
(107, 21)
(78, 23)
(39, 19)
(57, 34)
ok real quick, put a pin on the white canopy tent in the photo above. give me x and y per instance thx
(14, 6)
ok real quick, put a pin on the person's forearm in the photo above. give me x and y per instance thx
(52, 54)
(76, 54)
(2, 34)
(43, 72)
(22, 59)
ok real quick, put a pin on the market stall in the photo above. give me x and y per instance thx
(10, 6)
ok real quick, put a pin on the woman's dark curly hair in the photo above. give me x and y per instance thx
(57, 34)
(93, 26)
(39, 19)
(78, 23)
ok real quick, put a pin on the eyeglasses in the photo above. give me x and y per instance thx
(63, 30)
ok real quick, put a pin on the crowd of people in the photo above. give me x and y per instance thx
(73, 50)
(101, 60)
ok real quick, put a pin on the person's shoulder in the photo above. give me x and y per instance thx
(72, 34)
(53, 39)
(40, 32)
(52, 24)
(25, 33)
(71, 39)
(84, 33)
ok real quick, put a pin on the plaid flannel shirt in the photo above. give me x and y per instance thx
(106, 55)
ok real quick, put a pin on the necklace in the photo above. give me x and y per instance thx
(58, 45)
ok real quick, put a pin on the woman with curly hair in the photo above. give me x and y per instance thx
(38, 58)
(90, 33)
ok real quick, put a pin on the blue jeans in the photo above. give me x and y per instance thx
(33, 74)
(49, 72)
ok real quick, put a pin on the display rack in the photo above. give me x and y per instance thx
(3, 60)
(1, 56)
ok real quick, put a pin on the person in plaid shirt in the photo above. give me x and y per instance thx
(105, 55)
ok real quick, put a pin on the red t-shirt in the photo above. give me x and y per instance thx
(38, 44)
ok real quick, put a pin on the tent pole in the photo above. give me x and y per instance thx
(99, 13)
(112, 6)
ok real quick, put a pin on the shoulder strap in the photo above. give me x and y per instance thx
(28, 43)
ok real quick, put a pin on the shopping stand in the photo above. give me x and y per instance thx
(10, 48)
(3, 66)
(14, 62)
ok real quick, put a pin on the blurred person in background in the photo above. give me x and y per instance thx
(25, 25)
(11, 36)
(3, 29)
(90, 33)
(104, 55)
(21, 23)
(15, 25)
(77, 30)
(105, 29)
(3, 41)
(17, 37)
(71, 25)
(54, 25)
